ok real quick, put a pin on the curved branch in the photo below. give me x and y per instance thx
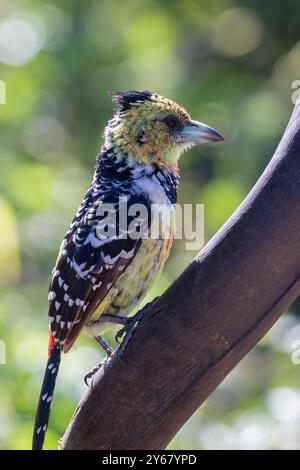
(212, 315)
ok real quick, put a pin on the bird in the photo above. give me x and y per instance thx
(107, 260)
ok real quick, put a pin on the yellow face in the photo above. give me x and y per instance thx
(155, 130)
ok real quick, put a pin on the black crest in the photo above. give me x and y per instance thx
(125, 99)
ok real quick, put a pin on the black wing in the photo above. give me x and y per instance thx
(95, 252)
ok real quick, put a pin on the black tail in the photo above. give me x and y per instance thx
(45, 400)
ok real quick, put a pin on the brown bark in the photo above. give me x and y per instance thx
(212, 315)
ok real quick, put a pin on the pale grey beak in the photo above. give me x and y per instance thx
(196, 132)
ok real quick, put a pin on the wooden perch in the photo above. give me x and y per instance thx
(212, 315)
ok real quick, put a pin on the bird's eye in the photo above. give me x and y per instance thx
(172, 122)
(142, 138)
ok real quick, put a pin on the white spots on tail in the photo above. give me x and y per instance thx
(57, 305)
(47, 398)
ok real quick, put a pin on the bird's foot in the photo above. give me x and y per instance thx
(109, 352)
(130, 325)
(91, 373)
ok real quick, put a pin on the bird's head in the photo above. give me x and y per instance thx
(153, 129)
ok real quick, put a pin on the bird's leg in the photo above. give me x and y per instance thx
(100, 340)
(104, 344)
(130, 325)
(108, 350)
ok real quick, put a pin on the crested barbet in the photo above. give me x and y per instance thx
(105, 266)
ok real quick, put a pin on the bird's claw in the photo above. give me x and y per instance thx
(127, 329)
(92, 372)
(95, 369)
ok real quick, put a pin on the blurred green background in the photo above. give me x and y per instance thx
(231, 64)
